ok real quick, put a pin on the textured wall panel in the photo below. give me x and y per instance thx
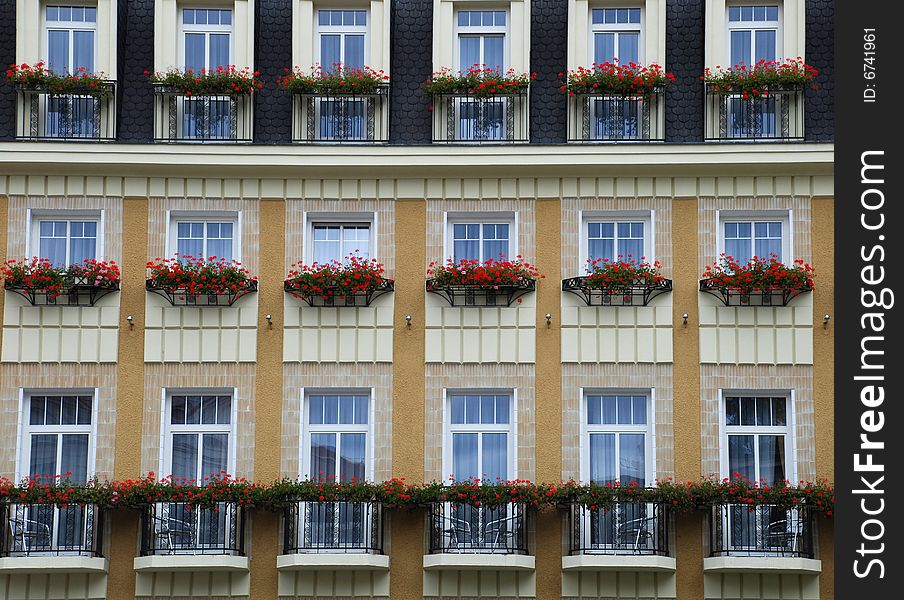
(135, 104)
(618, 585)
(7, 57)
(684, 46)
(411, 23)
(360, 585)
(756, 586)
(548, 57)
(56, 586)
(820, 52)
(465, 585)
(272, 53)
(338, 334)
(169, 585)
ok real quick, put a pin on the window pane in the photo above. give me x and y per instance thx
(732, 411)
(177, 410)
(763, 412)
(495, 456)
(458, 410)
(331, 409)
(772, 459)
(464, 456)
(472, 410)
(74, 458)
(488, 409)
(54, 410)
(346, 410)
(351, 460)
(70, 408)
(327, 246)
(609, 409)
(603, 48)
(209, 410)
(83, 50)
(58, 51)
(502, 410)
(84, 410)
(778, 411)
(323, 455)
(465, 250)
(193, 410)
(741, 457)
(594, 410)
(632, 465)
(628, 44)
(469, 51)
(624, 410)
(185, 456)
(765, 45)
(494, 52)
(748, 411)
(53, 242)
(361, 412)
(602, 458)
(43, 455)
(194, 52)
(219, 50)
(36, 414)
(225, 17)
(215, 459)
(82, 242)
(640, 410)
(330, 56)
(356, 240)
(354, 51)
(315, 410)
(740, 47)
(224, 410)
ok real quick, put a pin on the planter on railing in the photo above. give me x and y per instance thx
(759, 282)
(755, 297)
(197, 282)
(472, 295)
(41, 282)
(623, 528)
(356, 281)
(179, 528)
(333, 527)
(636, 294)
(49, 530)
(763, 530)
(467, 529)
(490, 283)
(75, 291)
(184, 296)
(333, 296)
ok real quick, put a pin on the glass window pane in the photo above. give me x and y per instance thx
(225, 17)
(772, 459)
(596, 16)
(360, 18)
(469, 51)
(495, 456)
(58, 51)
(194, 52)
(354, 51)
(603, 48)
(65, 13)
(54, 410)
(361, 412)
(323, 17)
(209, 410)
(634, 15)
(193, 410)
(53, 13)
(594, 410)
(177, 410)
(70, 408)
(632, 464)
(215, 459)
(763, 412)
(84, 410)
(502, 410)
(331, 409)
(346, 410)
(488, 409)
(472, 410)
(772, 13)
(608, 406)
(74, 458)
(778, 411)
(747, 13)
(224, 410)
(458, 410)
(323, 455)
(740, 47)
(185, 456)
(465, 250)
(464, 456)
(748, 411)
(494, 52)
(83, 51)
(628, 48)
(330, 51)
(624, 410)
(765, 45)
(36, 412)
(219, 50)
(315, 410)
(640, 410)
(741, 457)
(732, 411)
(602, 458)
(43, 455)
(351, 458)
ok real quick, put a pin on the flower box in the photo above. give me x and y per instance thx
(42, 283)
(223, 81)
(338, 81)
(491, 283)
(478, 83)
(355, 282)
(629, 80)
(761, 79)
(618, 283)
(189, 281)
(760, 282)
(38, 78)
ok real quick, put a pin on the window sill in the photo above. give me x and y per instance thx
(191, 562)
(478, 561)
(338, 561)
(762, 564)
(53, 564)
(617, 562)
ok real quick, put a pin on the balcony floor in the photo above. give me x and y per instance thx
(618, 562)
(478, 561)
(53, 564)
(761, 564)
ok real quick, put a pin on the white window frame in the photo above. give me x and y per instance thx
(649, 430)
(469, 30)
(753, 26)
(789, 430)
(647, 217)
(69, 26)
(167, 429)
(341, 219)
(341, 30)
(618, 28)
(304, 449)
(206, 29)
(511, 428)
(174, 217)
(742, 216)
(482, 218)
(34, 217)
(26, 429)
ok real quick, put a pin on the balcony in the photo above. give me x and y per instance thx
(616, 118)
(465, 119)
(341, 119)
(628, 536)
(180, 117)
(778, 117)
(30, 534)
(46, 116)
(333, 535)
(762, 538)
(176, 536)
(478, 537)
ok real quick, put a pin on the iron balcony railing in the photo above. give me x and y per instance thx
(764, 530)
(623, 528)
(779, 116)
(339, 119)
(49, 530)
(180, 117)
(616, 118)
(466, 529)
(333, 527)
(178, 528)
(461, 118)
(47, 116)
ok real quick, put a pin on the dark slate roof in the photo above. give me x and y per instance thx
(411, 62)
(272, 54)
(548, 58)
(684, 37)
(820, 52)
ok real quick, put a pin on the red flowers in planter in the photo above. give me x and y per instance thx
(356, 275)
(339, 80)
(39, 78)
(478, 81)
(760, 274)
(192, 276)
(490, 274)
(226, 81)
(630, 79)
(605, 273)
(53, 280)
(760, 79)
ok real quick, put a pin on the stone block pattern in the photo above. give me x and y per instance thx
(819, 104)
(54, 586)
(756, 586)
(618, 585)
(7, 57)
(412, 63)
(186, 585)
(273, 53)
(335, 585)
(135, 104)
(549, 27)
(471, 585)
(684, 47)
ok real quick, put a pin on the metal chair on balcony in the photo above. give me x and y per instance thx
(782, 535)
(457, 531)
(168, 529)
(29, 535)
(638, 534)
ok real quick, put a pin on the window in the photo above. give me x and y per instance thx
(342, 38)
(744, 237)
(199, 426)
(480, 432)
(207, 38)
(753, 34)
(336, 436)
(616, 35)
(617, 238)
(204, 236)
(335, 242)
(71, 33)
(617, 438)
(757, 435)
(489, 238)
(481, 39)
(65, 241)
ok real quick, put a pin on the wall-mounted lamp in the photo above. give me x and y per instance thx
(548, 319)
(825, 320)
(684, 316)
(269, 318)
(129, 319)
(408, 320)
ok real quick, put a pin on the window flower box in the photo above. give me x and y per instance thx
(38, 78)
(491, 283)
(42, 283)
(618, 283)
(761, 282)
(189, 281)
(355, 282)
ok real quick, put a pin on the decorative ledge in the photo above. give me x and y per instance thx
(75, 292)
(330, 297)
(762, 564)
(630, 295)
(182, 297)
(618, 562)
(53, 564)
(735, 297)
(191, 562)
(479, 561)
(332, 562)
(469, 295)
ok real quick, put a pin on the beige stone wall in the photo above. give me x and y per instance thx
(56, 586)
(209, 585)
(503, 585)
(738, 586)
(618, 585)
(360, 585)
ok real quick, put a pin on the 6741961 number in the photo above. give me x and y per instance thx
(869, 64)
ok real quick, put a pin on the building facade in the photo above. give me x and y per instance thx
(557, 385)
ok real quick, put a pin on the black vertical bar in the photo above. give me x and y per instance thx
(135, 105)
(272, 54)
(548, 58)
(684, 47)
(411, 33)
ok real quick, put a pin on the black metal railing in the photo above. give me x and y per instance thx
(625, 528)
(764, 530)
(478, 295)
(75, 291)
(461, 118)
(178, 528)
(735, 297)
(778, 116)
(331, 297)
(339, 119)
(616, 118)
(48, 530)
(333, 527)
(637, 294)
(182, 296)
(466, 529)
(179, 117)
(47, 116)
